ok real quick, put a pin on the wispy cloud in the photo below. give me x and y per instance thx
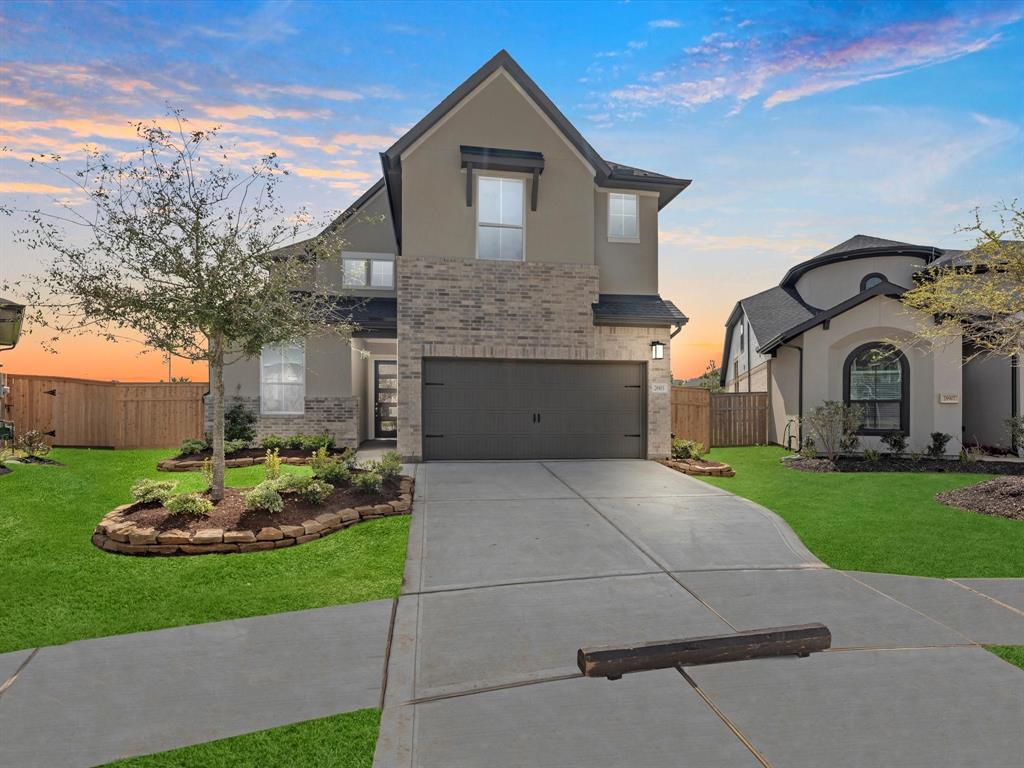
(664, 24)
(724, 67)
(31, 188)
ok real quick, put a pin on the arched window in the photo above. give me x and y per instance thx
(876, 377)
(871, 280)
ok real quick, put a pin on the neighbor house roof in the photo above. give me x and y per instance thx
(606, 174)
(770, 313)
(859, 247)
(636, 310)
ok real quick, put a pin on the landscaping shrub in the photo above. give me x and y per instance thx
(233, 446)
(896, 443)
(808, 451)
(238, 424)
(687, 449)
(33, 443)
(833, 425)
(872, 455)
(289, 483)
(310, 442)
(315, 491)
(272, 466)
(264, 498)
(335, 471)
(148, 491)
(389, 466)
(1015, 429)
(937, 447)
(192, 445)
(370, 482)
(207, 471)
(191, 504)
(273, 443)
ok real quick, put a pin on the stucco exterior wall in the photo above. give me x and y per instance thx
(826, 286)
(436, 223)
(513, 310)
(932, 371)
(784, 398)
(627, 267)
(987, 401)
(369, 231)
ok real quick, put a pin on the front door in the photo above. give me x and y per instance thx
(385, 398)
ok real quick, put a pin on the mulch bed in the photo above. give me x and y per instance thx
(39, 460)
(249, 453)
(231, 514)
(700, 467)
(5, 470)
(1001, 497)
(889, 464)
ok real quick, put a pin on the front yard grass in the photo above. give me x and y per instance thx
(886, 522)
(1011, 653)
(340, 741)
(55, 586)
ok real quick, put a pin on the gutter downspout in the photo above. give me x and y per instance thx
(1014, 397)
(800, 396)
(679, 327)
(746, 336)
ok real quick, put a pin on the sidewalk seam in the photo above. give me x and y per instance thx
(21, 668)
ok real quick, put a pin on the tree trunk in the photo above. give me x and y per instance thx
(217, 392)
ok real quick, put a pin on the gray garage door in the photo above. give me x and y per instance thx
(524, 409)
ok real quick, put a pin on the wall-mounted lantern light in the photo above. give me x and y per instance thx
(11, 317)
(657, 350)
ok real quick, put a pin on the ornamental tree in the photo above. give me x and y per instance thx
(176, 244)
(980, 296)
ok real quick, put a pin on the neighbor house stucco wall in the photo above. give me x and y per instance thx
(513, 310)
(932, 370)
(437, 223)
(741, 361)
(630, 268)
(825, 286)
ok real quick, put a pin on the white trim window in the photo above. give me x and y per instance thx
(623, 215)
(499, 231)
(283, 380)
(367, 273)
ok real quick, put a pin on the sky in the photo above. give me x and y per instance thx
(800, 123)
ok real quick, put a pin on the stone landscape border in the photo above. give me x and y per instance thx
(117, 534)
(689, 468)
(194, 465)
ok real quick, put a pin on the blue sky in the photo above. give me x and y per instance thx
(801, 124)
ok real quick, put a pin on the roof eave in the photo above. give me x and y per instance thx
(797, 271)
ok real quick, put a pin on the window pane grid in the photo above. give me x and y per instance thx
(500, 219)
(283, 380)
(622, 215)
(875, 384)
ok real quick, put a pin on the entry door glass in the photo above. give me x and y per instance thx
(385, 388)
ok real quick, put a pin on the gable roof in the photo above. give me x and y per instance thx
(859, 247)
(606, 174)
(770, 313)
(301, 247)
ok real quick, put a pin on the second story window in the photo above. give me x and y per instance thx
(500, 219)
(367, 273)
(622, 217)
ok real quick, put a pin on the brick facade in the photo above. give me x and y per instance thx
(513, 310)
(338, 416)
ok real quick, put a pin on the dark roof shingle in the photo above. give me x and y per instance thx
(636, 309)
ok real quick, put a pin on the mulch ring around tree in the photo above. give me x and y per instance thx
(151, 529)
(904, 464)
(1001, 497)
(246, 457)
(700, 467)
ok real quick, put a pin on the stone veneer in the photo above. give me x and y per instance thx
(337, 416)
(513, 310)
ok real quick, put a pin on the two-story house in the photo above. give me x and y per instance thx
(834, 329)
(503, 277)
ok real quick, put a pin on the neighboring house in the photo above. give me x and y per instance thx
(818, 334)
(504, 280)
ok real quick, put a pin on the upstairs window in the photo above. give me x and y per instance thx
(367, 273)
(742, 335)
(622, 217)
(283, 379)
(499, 232)
(870, 281)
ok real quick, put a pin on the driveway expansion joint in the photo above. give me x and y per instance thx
(21, 668)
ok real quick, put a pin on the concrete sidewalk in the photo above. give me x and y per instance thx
(512, 567)
(94, 701)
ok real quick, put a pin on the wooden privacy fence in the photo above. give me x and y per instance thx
(720, 418)
(105, 414)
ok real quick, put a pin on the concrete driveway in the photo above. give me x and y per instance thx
(513, 566)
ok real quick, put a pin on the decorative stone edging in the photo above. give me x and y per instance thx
(193, 465)
(687, 468)
(116, 534)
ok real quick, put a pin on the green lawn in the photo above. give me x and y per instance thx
(1011, 653)
(882, 522)
(341, 741)
(55, 586)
